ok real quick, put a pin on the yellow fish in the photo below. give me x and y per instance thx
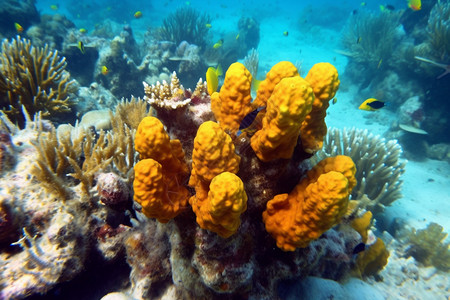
(363, 3)
(208, 25)
(212, 78)
(237, 36)
(415, 4)
(255, 84)
(54, 7)
(334, 101)
(218, 44)
(358, 40)
(138, 14)
(105, 70)
(379, 63)
(19, 28)
(286, 33)
(82, 30)
(80, 46)
(371, 104)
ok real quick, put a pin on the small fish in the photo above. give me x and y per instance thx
(80, 46)
(218, 44)
(354, 12)
(138, 14)
(54, 7)
(208, 25)
(379, 63)
(415, 4)
(237, 36)
(386, 8)
(372, 104)
(359, 248)
(19, 28)
(334, 101)
(358, 40)
(255, 84)
(249, 118)
(105, 70)
(363, 3)
(285, 33)
(212, 78)
(82, 30)
(188, 3)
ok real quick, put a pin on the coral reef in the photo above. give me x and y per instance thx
(35, 78)
(185, 24)
(14, 11)
(378, 165)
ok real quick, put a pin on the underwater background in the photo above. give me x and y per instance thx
(224, 149)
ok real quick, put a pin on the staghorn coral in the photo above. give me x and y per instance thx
(35, 78)
(185, 24)
(316, 204)
(378, 165)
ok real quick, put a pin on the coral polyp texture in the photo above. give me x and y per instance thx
(233, 102)
(316, 204)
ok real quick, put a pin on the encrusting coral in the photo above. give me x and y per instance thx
(35, 78)
(315, 205)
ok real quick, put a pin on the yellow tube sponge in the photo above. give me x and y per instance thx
(152, 141)
(226, 201)
(286, 109)
(233, 102)
(324, 80)
(279, 71)
(315, 205)
(213, 154)
(160, 197)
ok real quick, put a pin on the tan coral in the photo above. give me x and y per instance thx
(324, 80)
(165, 95)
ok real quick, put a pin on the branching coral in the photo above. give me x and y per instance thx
(378, 164)
(369, 38)
(185, 24)
(79, 154)
(438, 30)
(35, 78)
(428, 246)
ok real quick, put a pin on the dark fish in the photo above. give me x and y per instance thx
(249, 118)
(359, 248)
(390, 7)
(376, 104)
(354, 12)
